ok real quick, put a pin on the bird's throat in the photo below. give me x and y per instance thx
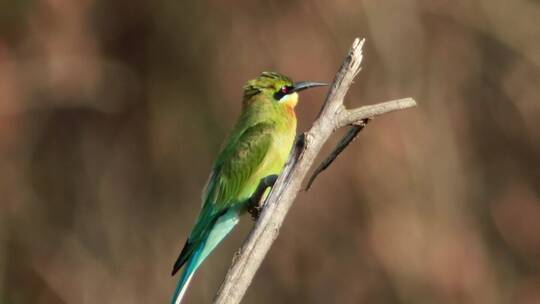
(289, 100)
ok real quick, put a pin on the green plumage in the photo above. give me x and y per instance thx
(257, 147)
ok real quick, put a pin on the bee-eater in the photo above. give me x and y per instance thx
(257, 147)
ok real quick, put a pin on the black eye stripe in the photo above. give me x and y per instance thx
(278, 95)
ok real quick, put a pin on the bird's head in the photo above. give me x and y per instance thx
(276, 87)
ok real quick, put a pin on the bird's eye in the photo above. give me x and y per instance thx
(282, 92)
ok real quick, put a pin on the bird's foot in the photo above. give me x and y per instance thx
(256, 201)
(255, 212)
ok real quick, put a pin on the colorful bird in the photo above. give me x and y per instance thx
(258, 147)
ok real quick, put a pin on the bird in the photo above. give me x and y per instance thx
(256, 149)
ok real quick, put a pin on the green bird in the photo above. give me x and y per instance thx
(257, 148)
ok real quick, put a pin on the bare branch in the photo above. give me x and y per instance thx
(342, 144)
(332, 116)
(348, 117)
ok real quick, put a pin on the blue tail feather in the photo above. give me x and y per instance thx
(219, 231)
(187, 274)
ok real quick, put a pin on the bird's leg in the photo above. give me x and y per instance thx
(256, 201)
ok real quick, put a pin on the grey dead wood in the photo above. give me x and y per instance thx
(332, 116)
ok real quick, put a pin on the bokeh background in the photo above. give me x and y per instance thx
(111, 113)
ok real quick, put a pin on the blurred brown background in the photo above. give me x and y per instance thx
(111, 113)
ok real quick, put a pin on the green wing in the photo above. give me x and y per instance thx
(240, 158)
(237, 163)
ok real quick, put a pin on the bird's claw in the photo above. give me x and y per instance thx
(255, 202)
(255, 211)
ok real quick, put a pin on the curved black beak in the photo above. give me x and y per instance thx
(300, 86)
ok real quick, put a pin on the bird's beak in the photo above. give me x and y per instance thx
(300, 86)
